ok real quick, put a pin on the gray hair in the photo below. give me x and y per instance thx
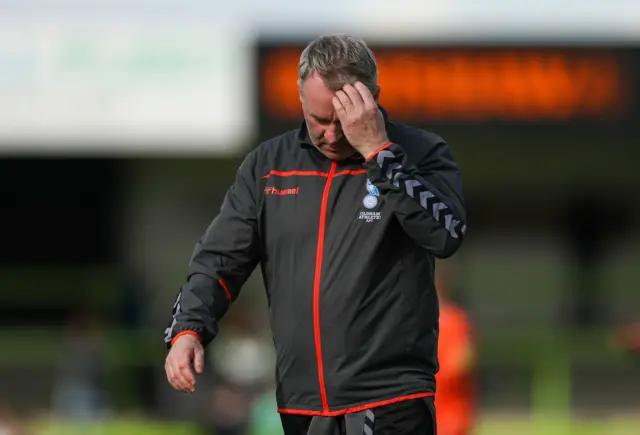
(339, 59)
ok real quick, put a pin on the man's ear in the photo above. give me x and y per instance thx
(376, 93)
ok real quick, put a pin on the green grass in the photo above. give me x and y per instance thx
(488, 426)
(551, 426)
(116, 427)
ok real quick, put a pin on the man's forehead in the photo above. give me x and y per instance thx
(319, 108)
(318, 101)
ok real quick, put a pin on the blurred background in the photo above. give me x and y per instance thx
(121, 127)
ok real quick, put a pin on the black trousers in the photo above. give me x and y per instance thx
(411, 417)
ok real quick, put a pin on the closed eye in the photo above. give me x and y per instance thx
(322, 120)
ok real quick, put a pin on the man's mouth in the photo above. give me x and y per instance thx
(335, 145)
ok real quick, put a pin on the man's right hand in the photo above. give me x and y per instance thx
(185, 352)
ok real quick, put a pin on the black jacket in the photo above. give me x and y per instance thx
(347, 255)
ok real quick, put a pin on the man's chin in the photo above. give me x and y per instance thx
(333, 155)
(340, 152)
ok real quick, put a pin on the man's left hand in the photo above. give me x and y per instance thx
(361, 120)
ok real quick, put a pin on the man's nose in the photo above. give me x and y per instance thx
(333, 133)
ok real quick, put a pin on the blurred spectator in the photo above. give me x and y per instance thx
(628, 338)
(10, 424)
(455, 389)
(78, 390)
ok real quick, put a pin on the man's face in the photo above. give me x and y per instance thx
(322, 121)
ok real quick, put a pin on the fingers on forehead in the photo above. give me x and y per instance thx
(343, 97)
(365, 93)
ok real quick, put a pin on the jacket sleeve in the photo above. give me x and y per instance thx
(223, 259)
(426, 197)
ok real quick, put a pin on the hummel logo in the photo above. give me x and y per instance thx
(270, 190)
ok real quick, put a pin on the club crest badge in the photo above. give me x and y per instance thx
(371, 200)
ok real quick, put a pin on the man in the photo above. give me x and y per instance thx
(455, 399)
(345, 216)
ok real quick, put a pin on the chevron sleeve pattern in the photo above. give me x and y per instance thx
(426, 198)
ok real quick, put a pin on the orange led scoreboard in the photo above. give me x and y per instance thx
(456, 85)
